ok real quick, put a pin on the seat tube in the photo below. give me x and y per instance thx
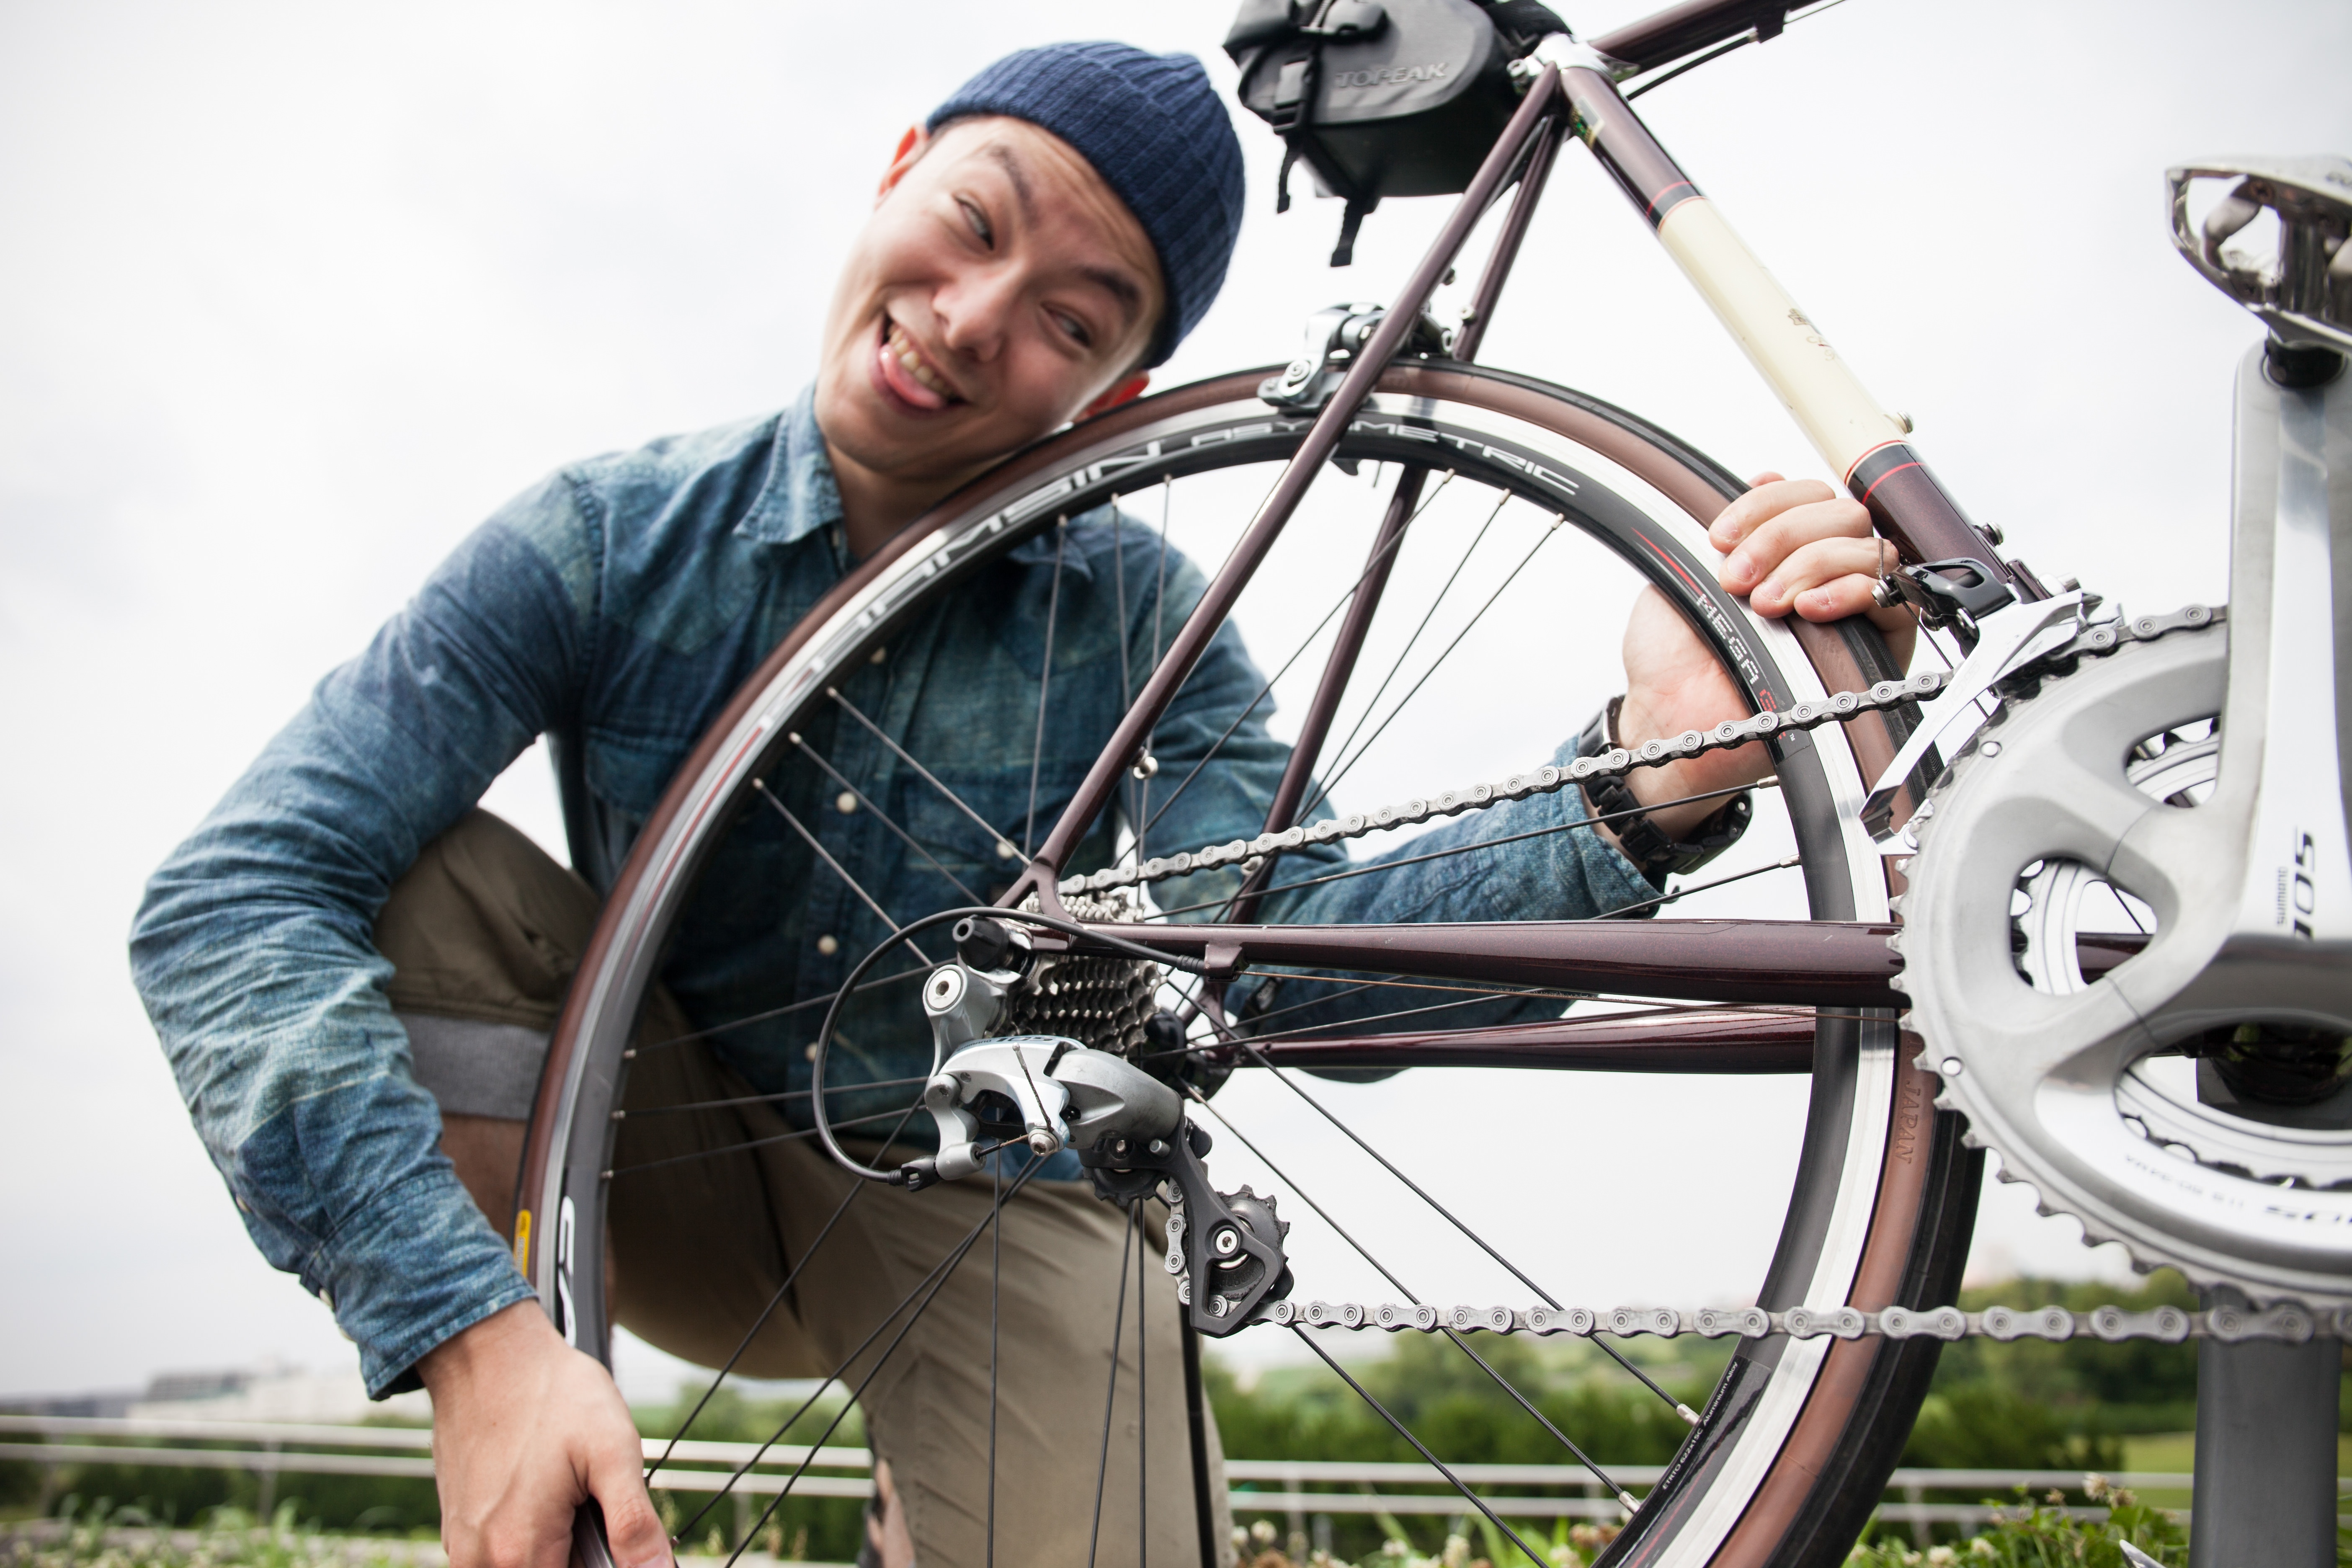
(1861, 441)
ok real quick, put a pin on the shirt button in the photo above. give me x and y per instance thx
(1005, 851)
(827, 945)
(880, 655)
(845, 803)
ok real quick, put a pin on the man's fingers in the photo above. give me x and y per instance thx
(1771, 496)
(616, 1480)
(1822, 581)
(1762, 553)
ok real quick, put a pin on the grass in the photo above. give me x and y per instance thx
(101, 1535)
(2022, 1534)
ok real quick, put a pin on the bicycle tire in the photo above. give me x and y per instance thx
(1795, 1444)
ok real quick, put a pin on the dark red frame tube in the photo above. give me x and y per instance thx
(1709, 1041)
(1816, 963)
(1668, 35)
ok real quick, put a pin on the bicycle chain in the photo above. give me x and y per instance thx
(2286, 1322)
(1545, 779)
(2093, 641)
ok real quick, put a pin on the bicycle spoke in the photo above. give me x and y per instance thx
(1460, 1343)
(1158, 618)
(882, 816)
(763, 1017)
(1119, 608)
(1422, 1449)
(1436, 665)
(1305, 643)
(837, 868)
(1142, 1405)
(1037, 758)
(749, 1144)
(936, 1281)
(766, 1312)
(996, 1281)
(1782, 864)
(1003, 847)
(1373, 701)
(766, 1098)
(1110, 1398)
(1455, 1220)
(1383, 1017)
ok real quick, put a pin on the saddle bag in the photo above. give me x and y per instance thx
(1397, 97)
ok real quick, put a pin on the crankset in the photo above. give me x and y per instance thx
(2194, 1103)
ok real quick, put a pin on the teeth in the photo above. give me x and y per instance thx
(904, 347)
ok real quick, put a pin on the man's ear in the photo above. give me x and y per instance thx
(910, 149)
(1124, 391)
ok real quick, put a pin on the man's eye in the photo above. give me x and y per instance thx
(1075, 329)
(979, 221)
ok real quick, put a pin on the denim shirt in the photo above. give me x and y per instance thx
(615, 608)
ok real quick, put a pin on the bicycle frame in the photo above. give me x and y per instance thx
(1573, 92)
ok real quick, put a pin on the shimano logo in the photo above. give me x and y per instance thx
(1393, 76)
(2298, 895)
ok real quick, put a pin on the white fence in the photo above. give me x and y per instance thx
(1256, 1487)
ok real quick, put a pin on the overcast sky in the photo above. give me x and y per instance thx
(292, 295)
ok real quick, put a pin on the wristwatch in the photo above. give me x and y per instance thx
(1653, 854)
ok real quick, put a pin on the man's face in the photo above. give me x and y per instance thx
(999, 288)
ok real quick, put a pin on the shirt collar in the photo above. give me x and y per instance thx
(799, 496)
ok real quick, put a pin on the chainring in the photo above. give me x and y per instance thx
(2062, 1075)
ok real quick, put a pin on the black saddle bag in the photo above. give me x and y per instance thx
(1402, 98)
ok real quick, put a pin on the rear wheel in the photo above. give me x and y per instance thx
(1538, 513)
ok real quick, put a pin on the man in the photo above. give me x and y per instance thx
(352, 971)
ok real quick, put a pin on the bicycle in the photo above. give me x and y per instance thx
(1067, 1034)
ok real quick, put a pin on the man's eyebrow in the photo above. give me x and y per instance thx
(1016, 173)
(1120, 286)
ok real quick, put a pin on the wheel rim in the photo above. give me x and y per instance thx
(1872, 1219)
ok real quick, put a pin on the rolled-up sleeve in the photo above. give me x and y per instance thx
(253, 953)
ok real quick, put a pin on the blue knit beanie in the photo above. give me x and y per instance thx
(1154, 129)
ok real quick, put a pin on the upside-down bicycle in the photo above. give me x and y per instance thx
(2080, 895)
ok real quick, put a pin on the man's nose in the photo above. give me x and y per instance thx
(975, 312)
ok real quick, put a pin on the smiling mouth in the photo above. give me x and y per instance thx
(908, 374)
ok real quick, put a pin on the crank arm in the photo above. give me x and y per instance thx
(2007, 640)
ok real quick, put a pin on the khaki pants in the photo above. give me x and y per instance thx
(484, 932)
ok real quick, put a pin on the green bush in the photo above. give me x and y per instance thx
(2028, 1534)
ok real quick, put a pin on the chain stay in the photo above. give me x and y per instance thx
(2288, 1322)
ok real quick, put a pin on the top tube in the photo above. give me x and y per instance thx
(1687, 29)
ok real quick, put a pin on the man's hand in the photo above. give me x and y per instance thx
(1789, 544)
(885, 1522)
(1796, 544)
(525, 1429)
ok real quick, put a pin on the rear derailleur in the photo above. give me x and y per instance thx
(1046, 1093)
